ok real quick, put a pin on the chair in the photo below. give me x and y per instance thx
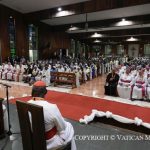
(2, 132)
(33, 138)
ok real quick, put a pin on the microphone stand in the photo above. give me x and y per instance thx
(8, 110)
(9, 133)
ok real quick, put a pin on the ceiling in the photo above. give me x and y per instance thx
(98, 21)
(101, 15)
(26, 6)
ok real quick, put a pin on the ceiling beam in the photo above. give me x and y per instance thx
(85, 7)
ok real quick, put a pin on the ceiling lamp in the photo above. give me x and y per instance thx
(59, 9)
(63, 13)
(97, 41)
(124, 22)
(131, 39)
(73, 28)
(96, 35)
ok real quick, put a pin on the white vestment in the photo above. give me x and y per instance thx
(124, 86)
(53, 118)
(139, 88)
(148, 88)
(46, 76)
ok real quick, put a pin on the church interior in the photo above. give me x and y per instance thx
(74, 74)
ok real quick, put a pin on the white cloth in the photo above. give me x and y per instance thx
(5, 117)
(53, 117)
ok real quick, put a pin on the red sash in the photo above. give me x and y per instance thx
(49, 134)
(125, 81)
(140, 82)
(143, 88)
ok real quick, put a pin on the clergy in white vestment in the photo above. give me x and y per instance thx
(46, 77)
(148, 87)
(122, 70)
(58, 131)
(16, 72)
(1, 72)
(4, 73)
(61, 68)
(147, 71)
(10, 70)
(138, 90)
(124, 84)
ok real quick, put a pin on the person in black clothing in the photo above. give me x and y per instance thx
(111, 83)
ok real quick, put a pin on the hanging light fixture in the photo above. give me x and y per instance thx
(97, 41)
(73, 28)
(96, 35)
(131, 39)
(59, 9)
(124, 22)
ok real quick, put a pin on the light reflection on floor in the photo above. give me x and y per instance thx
(93, 88)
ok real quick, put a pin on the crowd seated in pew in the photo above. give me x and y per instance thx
(134, 80)
(29, 72)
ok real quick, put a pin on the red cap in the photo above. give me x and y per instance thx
(39, 83)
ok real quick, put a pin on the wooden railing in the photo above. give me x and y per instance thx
(64, 77)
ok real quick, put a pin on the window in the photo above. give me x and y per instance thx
(33, 42)
(120, 49)
(12, 36)
(147, 49)
(33, 37)
(108, 50)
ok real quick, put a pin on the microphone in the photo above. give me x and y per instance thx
(5, 85)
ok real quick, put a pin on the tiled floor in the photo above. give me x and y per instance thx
(94, 88)
(95, 129)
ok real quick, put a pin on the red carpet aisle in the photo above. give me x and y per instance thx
(76, 106)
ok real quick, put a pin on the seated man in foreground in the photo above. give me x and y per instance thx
(58, 131)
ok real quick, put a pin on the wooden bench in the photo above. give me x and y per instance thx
(33, 136)
(64, 77)
(2, 132)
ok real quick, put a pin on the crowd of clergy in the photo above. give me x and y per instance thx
(30, 72)
(129, 79)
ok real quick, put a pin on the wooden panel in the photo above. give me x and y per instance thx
(21, 31)
(21, 37)
(51, 41)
